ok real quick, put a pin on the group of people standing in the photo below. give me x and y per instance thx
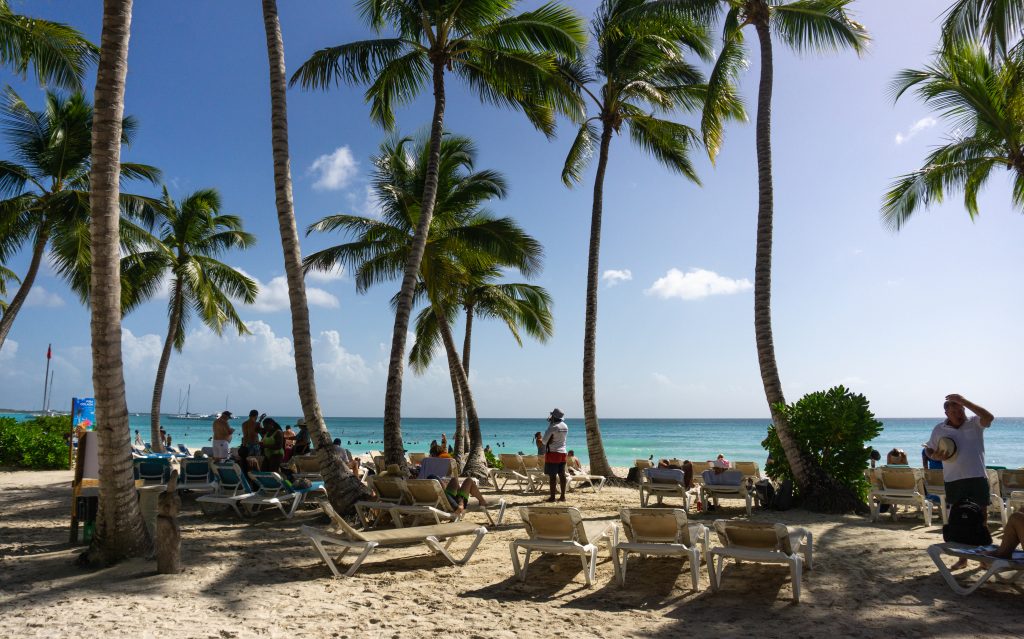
(263, 440)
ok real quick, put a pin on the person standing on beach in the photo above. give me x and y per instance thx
(251, 434)
(554, 451)
(222, 432)
(538, 439)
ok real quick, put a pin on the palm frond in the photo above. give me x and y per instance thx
(818, 25)
(580, 153)
(669, 142)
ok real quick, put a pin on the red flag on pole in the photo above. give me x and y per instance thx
(49, 351)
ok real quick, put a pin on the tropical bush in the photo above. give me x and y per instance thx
(492, 460)
(37, 444)
(832, 427)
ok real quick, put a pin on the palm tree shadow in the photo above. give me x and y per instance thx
(653, 583)
(547, 577)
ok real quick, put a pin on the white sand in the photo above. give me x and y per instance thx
(260, 577)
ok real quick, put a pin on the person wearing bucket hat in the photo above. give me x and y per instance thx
(555, 453)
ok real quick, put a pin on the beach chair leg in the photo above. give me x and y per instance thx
(795, 567)
(370, 546)
(927, 507)
(501, 513)
(325, 556)
(809, 551)
(874, 510)
(300, 498)
(935, 552)
(591, 571)
(748, 505)
(619, 565)
(716, 571)
(519, 570)
(694, 556)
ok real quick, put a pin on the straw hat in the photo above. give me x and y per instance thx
(557, 414)
(947, 446)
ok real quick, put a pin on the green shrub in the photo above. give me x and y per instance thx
(37, 444)
(492, 460)
(832, 427)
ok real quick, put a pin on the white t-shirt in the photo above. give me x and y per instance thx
(555, 437)
(970, 449)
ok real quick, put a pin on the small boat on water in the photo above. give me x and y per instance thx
(187, 414)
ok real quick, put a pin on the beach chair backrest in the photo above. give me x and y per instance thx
(643, 463)
(748, 468)
(675, 461)
(557, 523)
(230, 478)
(933, 480)
(416, 458)
(388, 488)
(427, 492)
(378, 463)
(665, 475)
(1011, 479)
(531, 462)
(654, 525)
(750, 534)
(994, 486)
(898, 478)
(439, 466)
(151, 470)
(195, 470)
(306, 464)
(511, 462)
(269, 484)
(340, 524)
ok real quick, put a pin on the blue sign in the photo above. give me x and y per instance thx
(83, 413)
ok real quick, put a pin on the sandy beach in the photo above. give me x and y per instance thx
(260, 577)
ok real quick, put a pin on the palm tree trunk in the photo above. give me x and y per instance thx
(460, 419)
(466, 344)
(818, 490)
(595, 447)
(161, 370)
(394, 450)
(476, 464)
(7, 317)
(120, 532)
(343, 488)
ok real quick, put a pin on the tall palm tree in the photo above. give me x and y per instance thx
(120, 532)
(462, 237)
(522, 307)
(193, 234)
(59, 54)
(984, 100)
(994, 23)
(638, 59)
(815, 25)
(6, 275)
(343, 488)
(506, 59)
(46, 191)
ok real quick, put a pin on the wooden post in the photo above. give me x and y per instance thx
(168, 533)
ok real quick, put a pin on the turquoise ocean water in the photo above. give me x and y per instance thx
(624, 439)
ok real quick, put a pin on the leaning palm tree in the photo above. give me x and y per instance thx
(120, 531)
(997, 24)
(59, 54)
(193, 234)
(816, 25)
(6, 275)
(506, 59)
(46, 194)
(462, 237)
(985, 102)
(521, 307)
(639, 62)
(343, 488)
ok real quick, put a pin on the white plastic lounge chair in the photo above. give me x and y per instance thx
(1011, 483)
(663, 532)
(273, 492)
(698, 473)
(426, 498)
(661, 483)
(443, 467)
(195, 476)
(416, 458)
(577, 477)
(231, 486)
(762, 542)
(900, 486)
(366, 542)
(534, 468)
(712, 493)
(643, 463)
(561, 530)
(390, 492)
(996, 504)
(512, 469)
(935, 485)
(749, 469)
(994, 567)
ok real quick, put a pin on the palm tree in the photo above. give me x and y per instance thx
(120, 532)
(518, 305)
(193, 233)
(59, 54)
(506, 59)
(994, 23)
(984, 100)
(639, 58)
(816, 25)
(6, 275)
(462, 238)
(343, 488)
(46, 191)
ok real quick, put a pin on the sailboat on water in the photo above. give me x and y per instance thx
(187, 414)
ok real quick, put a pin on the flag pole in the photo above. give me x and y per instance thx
(49, 396)
(46, 377)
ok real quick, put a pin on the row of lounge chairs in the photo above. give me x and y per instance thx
(527, 471)
(662, 483)
(904, 486)
(417, 499)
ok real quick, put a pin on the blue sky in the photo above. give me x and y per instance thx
(903, 318)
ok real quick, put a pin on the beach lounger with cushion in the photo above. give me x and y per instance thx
(512, 469)
(662, 483)
(444, 467)
(196, 476)
(762, 542)
(231, 486)
(365, 543)
(426, 498)
(390, 491)
(993, 567)
(900, 486)
(272, 492)
(562, 530)
(663, 532)
(737, 488)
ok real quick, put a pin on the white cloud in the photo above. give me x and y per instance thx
(915, 128)
(334, 170)
(140, 352)
(613, 277)
(336, 274)
(39, 296)
(695, 284)
(273, 295)
(338, 364)
(368, 205)
(9, 350)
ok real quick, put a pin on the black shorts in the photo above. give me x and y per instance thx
(554, 469)
(974, 488)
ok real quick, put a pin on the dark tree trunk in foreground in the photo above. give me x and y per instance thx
(343, 488)
(120, 531)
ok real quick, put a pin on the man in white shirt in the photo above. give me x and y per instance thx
(963, 470)
(554, 445)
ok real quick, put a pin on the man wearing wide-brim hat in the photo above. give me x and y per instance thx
(554, 445)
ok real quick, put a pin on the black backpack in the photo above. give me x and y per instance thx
(765, 493)
(783, 496)
(967, 524)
